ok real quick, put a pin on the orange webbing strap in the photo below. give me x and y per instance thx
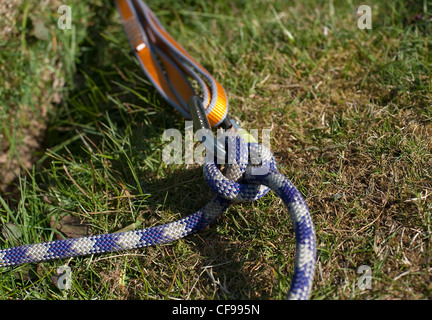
(168, 66)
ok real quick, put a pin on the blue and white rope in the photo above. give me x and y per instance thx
(240, 183)
(258, 179)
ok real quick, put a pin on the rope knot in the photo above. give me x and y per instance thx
(246, 164)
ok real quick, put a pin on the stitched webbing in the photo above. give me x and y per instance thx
(168, 66)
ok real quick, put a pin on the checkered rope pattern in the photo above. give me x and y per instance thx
(252, 182)
(255, 181)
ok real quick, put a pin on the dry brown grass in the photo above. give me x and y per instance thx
(365, 166)
(351, 121)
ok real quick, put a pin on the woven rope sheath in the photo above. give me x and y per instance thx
(115, 241)
(258, 181)
(227, 190)
(305, 234)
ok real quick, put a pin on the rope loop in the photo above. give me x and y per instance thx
(242, 161)
(247, 179)
(250, 167)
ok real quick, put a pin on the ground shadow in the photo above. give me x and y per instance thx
(182, 191)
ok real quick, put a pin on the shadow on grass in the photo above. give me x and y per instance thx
(225, 259)
(89, 111)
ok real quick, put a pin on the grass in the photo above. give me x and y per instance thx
(350, 113)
